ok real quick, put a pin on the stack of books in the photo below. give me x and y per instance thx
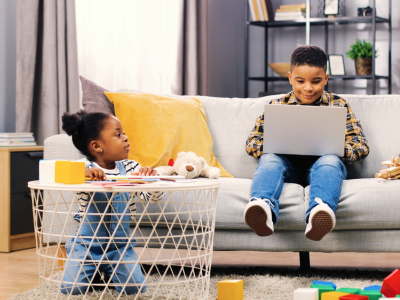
(261, 10)
(290, 12)
(16, 139)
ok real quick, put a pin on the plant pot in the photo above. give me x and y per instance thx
(363, 66)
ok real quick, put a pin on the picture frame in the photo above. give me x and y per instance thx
(336, 65)
(331, 7)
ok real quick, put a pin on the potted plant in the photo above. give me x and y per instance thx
(361, 53)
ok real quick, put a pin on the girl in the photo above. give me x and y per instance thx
(102, 237)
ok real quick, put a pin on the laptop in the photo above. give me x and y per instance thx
(304, 130)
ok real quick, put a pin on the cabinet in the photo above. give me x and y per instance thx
(326, 23)
(18, 165)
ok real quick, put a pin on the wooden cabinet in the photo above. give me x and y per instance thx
(18, 165)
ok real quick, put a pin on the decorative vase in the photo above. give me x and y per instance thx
(363, 66)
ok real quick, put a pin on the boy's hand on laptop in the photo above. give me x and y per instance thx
(95, 174)
(145, 171)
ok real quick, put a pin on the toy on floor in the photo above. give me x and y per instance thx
(230, 289)
(190, 165)
(392, 171)
(391, 284)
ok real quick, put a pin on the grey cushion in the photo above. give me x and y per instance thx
(93, 98)
(367, 204)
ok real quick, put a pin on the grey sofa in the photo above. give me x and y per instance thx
(368, 214)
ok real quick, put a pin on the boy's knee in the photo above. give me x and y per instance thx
(67, 289)
(270, 158)
(130, 290)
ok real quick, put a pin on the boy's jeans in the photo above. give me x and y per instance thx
(324, 174)
(108, 219)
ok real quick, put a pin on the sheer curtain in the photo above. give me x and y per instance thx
(132, 44)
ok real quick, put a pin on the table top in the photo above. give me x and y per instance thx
(199, 184)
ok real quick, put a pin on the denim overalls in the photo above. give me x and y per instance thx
(87, 245)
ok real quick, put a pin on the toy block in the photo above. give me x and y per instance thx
(325, 282)
(69, 172)
(306, 294)
(322, 288)
(397, 296)
(354, 297)
(230, 289)
(372, 295)
(391, 284)
(334, 295)
(47, 170)
(373, 288)
(349, 290)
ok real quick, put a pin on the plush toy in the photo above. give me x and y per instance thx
(190, 165)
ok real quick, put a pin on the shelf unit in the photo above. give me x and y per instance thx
(326, 22)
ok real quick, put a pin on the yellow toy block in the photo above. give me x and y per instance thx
(230, 289)
(332, 295)
(70, 172)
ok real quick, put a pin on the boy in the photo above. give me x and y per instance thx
(324, 174)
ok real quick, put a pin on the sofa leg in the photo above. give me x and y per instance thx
(304, 261)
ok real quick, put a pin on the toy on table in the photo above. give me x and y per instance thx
(392, 171)
(61, 171)
(190, 165)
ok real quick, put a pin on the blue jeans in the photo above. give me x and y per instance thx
(101, 245)
(324, 174)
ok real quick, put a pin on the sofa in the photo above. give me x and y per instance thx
(368, 214)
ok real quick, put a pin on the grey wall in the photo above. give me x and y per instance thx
(8, 10)
(226, 45)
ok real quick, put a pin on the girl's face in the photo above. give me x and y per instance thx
(113, 143)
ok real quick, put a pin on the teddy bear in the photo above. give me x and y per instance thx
(190, 165)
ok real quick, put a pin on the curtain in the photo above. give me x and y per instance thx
(47, 65)
(149, 46)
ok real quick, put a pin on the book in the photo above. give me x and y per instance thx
(252, 12)
(256, 12)
(17, 139)
(17, 144)
(289, 18)
(291, 6)
(291, 9)
(15, 134)
(290, 14)
(260, 10)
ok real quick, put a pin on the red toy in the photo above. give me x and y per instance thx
(391, 284)
(353, 297)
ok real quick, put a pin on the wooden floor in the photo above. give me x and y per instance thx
(19, 272)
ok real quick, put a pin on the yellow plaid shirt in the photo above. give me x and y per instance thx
(356, 145)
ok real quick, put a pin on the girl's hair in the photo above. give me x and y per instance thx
(84, 127)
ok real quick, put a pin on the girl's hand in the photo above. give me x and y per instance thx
(146, 171)
(95, 174)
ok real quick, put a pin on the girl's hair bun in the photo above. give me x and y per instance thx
(72, 122)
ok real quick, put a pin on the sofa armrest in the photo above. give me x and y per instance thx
(60, 146)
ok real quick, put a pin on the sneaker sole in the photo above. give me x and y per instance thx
(322, 224)
(256, 218)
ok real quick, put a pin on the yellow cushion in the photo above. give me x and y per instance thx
(160, 127)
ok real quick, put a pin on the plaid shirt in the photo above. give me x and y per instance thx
(356, 145)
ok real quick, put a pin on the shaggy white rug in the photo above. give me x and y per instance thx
(259, 283)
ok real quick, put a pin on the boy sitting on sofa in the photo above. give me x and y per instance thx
(324, 174)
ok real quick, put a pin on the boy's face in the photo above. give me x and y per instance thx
(308, 82)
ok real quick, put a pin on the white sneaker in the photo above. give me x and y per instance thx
(258, 216)
(321, 221)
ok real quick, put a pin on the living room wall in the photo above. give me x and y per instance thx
(226, 27)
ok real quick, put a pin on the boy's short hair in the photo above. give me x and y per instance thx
(309, 55)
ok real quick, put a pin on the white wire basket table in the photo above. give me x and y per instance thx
(172, 240)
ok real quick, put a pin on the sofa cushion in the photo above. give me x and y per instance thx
(377, 115)
(160, 127)
(233, 196)
(367, 204)
(93, 98)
